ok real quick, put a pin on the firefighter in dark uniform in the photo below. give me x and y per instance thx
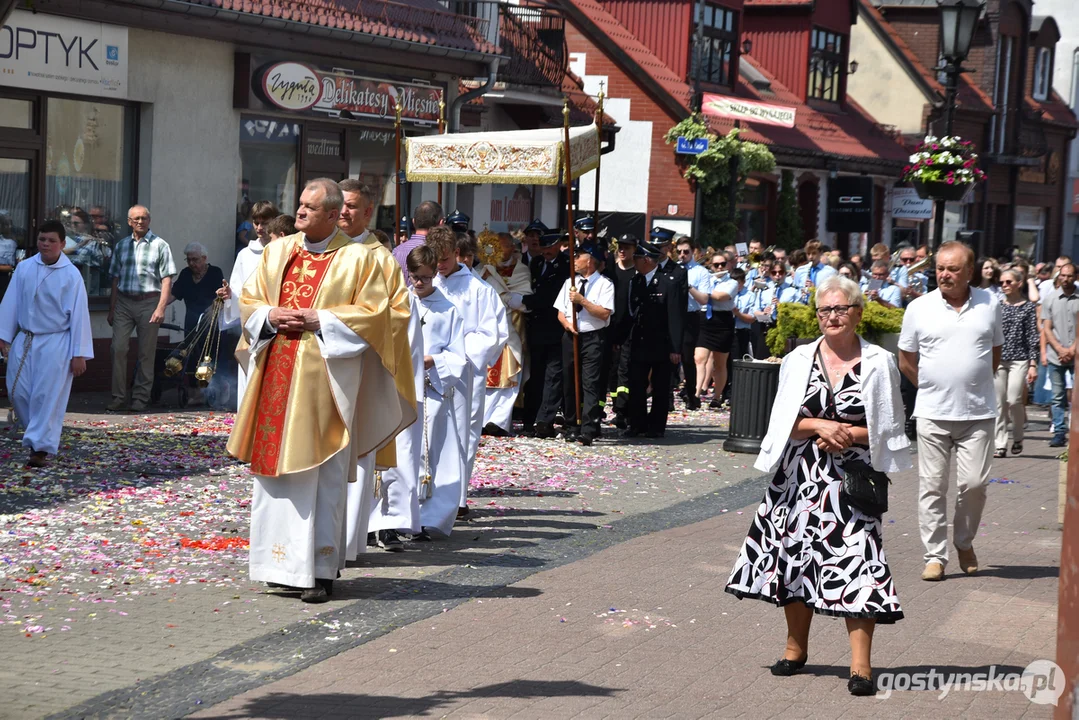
(530, 245)
(458, 221)
(620, 270)
(663, 240)
(657, 306)
(585, 230)
(549, 272)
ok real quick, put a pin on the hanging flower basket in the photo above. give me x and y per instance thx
(938, 190)
(943, 168)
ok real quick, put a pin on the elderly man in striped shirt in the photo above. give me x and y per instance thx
(142, 271)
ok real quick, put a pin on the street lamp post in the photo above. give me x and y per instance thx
(958, 21)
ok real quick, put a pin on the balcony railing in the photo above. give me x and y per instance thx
(532, 35)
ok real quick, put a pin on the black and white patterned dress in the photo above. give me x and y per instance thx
(807, 545)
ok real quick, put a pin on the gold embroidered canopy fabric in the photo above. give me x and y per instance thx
(532, 157)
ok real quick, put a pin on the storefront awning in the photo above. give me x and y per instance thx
(531, 157)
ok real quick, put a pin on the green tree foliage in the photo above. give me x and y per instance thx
(788, 216)
(711, 172)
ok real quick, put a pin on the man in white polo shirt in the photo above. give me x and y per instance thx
(593, 295)
(950, 349)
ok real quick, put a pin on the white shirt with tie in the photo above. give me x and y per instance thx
(597, 289)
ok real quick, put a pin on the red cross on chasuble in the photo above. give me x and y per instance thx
(303, 277)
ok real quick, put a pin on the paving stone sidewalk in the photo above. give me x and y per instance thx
(643, 629)
(123, 566)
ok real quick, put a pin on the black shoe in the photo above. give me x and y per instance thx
(693, 403)
(620, 421)
(861, 686)
(786, 668)
(1058, 441)
(715, 405)
(571, 436)
(544, 431)
(422, 536)
(315, 595)
(528, 432)
(463, 513)
(494, 430)
(390, 541)
(279, 586)
(372, 541)
(585, 440)
(631, 433)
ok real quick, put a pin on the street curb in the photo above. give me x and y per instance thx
(284, 652)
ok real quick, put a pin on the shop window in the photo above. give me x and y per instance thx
(89, 181)
(712, 54)
(1043, 64)
(371, 162)
(269, 152)
(825, 63)
(17, 113)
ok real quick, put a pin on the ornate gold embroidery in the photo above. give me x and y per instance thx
(278, 552)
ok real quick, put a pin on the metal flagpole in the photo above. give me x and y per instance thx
(599, 142)
(441, 131)
(572, 258)
(397, 169)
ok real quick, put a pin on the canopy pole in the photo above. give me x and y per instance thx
(572, 259)
(599, 147)
(397, 169)
(441, 131)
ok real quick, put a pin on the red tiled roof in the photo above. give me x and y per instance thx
(852, 134)
(419, 21)
(765, 3)
(1054, 110)
(617, 33)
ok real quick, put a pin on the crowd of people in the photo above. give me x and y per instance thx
(369, 370)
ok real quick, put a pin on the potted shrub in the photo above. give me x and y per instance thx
(943, 168)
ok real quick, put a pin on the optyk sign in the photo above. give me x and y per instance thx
(49, 53)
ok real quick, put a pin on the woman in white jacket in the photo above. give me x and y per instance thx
(807, 550)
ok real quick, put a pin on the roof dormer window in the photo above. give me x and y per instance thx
(714, 52)
(1043, 66)
(825, 63)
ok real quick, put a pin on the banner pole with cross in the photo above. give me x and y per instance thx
(572, 258)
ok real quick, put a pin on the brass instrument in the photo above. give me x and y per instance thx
(919, 265)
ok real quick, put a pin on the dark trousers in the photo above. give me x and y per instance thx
(689, 344)
(545, 360)
(641, 365)
(743, 343)
(590, 345)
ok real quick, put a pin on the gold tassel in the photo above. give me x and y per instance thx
(378, 484)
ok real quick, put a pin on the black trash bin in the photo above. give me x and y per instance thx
(754, 384)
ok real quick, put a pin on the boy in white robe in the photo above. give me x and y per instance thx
(45, 335)
(269, 226)
(442, 466)
(484, 334)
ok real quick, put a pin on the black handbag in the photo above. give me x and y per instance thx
(863, 488)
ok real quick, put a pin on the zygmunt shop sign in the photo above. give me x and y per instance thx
(305, 88)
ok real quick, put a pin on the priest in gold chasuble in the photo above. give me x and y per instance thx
(512, 280)
(322, 346)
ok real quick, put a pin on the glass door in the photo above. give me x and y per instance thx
(16, 221)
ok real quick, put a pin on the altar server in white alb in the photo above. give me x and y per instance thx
(484, 332)
(45, 335)
(442, 465)
(262, 213)
(383, 500)
(328, 383)
(512, 281)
